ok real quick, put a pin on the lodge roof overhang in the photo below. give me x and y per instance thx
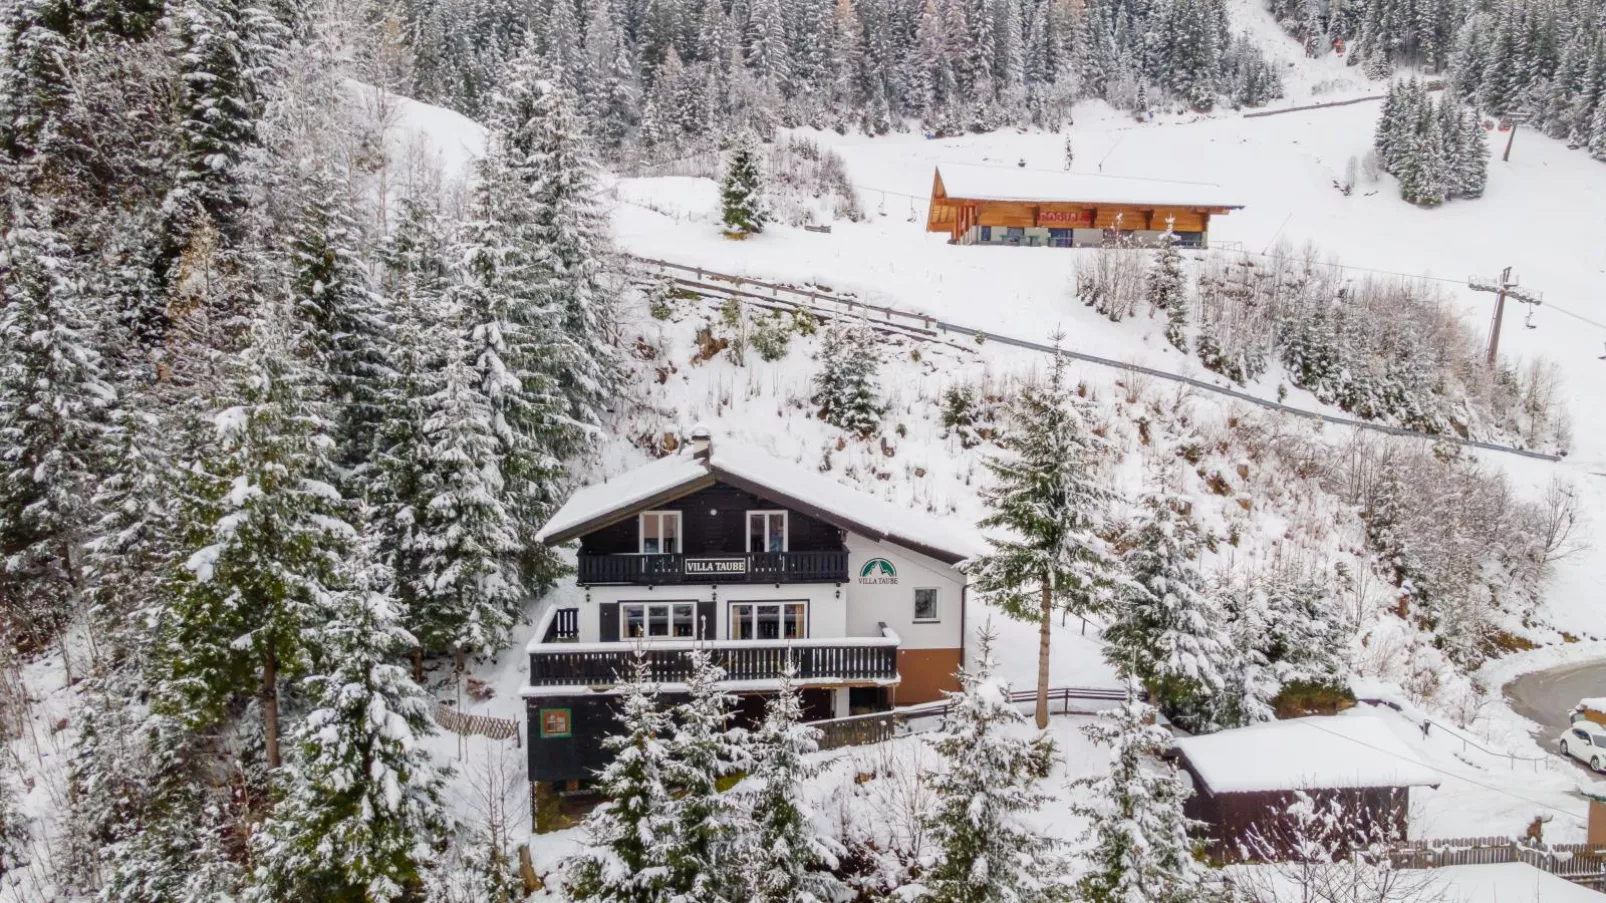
(713, 475)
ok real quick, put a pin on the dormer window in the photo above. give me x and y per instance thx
(766, 531)
(660, 533)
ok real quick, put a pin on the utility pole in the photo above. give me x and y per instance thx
(1503, 288)
(1510, 139)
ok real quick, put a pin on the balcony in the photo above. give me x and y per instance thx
(840, 659)
(754, 567)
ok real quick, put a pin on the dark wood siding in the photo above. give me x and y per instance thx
(1243, 826)
(576, 757)
(724, 531)
(608, 622)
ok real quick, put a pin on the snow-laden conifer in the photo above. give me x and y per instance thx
(625, 864)
(265, 538)
(699, 848)
(1046, 506)
(345, 322)
(359, 805)
(982, 849)
(785, 857)
(1167, 288)
(53, 401)
(741, 190)
(846, 387)
(1137, 844)
(1166, 630)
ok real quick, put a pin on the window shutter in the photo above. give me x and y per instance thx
(608, 622)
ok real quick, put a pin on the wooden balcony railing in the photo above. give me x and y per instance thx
(669, 661)
(751, 567)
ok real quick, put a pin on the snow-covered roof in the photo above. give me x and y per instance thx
(1010, 183)
(1348, 751)
(1593, 703)
(756, 470)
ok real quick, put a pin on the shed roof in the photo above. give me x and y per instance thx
(1316, 753)
(1009, 183)
(755, 470)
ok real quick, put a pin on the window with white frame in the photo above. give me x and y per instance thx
(766, 531)
(769, 620)
(657, 620)
(926, 604)
(660, 532)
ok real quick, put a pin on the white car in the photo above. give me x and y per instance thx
(1586, 742)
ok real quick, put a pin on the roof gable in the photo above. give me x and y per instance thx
(760, 473)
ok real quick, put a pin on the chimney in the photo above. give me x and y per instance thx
(702, 442)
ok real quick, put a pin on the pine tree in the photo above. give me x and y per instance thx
(345, 323)
(265, 535)
(465, 539)
(610, 83)
(1049, 503)
(227, 53)
(1168, 286)
(785, 858)
(170, 847)
(15, 833)
(983, 850)
(742, 189)
(1137, 838)
(360, 805)
(1250, 683)
(703, 824)
(846, 387)
(624, 832)
(1166, 631)
(572, 255)
(1472, 175)
(53, 395)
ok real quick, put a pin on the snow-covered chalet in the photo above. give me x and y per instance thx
(761, 561)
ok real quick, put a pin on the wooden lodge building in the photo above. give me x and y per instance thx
(1246, 779)
(1003, 205)
(761, 562)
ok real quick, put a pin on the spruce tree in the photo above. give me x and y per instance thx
(625, 832)
(466, 541)
(984, 851)
(1048, 504)
(1473, 173)
(785, 859)
(742, 189)
(1137, 837)
(265, 534)
(359, 806)
(1166, 631)
(1249, 681)
(572, 256)
(53, 398)
(1167, 288)
(846, 387)
(703, 825)
(345, 323)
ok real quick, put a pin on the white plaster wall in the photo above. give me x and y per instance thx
(827, 603)
(894, 603)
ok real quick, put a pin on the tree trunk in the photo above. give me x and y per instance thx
(418, 665)
(270, 707)
(1043, 625)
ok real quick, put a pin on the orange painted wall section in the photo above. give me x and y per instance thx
(957, 216)
(923, 674)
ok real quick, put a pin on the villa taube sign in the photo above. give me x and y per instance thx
(715, 566)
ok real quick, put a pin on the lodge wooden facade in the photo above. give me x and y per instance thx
(985, 211)
(765, 565)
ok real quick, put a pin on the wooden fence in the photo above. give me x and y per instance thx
(1580, 863)
(483, 725)
(863, 730)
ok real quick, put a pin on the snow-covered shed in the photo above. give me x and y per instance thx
(1016, 206)
(1246, 779)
